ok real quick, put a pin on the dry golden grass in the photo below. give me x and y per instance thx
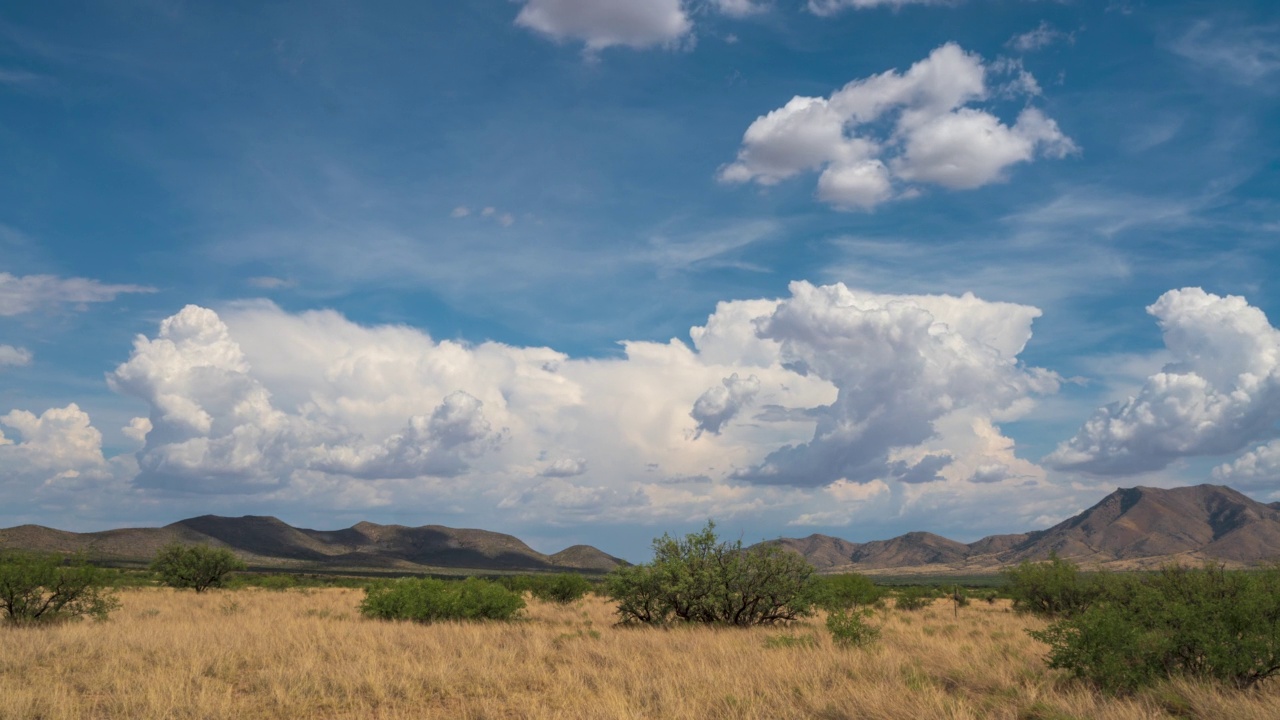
(309, 654)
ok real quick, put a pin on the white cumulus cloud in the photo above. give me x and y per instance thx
(901, 365)
(1220, 393)
(935, 136)
(59, 440)
(14, 356)
(605, 23)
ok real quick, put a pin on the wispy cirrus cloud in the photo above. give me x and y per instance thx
(28, 293)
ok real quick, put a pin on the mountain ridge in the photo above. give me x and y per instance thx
(1131, 528)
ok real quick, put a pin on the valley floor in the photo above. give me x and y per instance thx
(309, 654)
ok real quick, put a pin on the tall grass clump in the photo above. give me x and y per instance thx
(429, 600)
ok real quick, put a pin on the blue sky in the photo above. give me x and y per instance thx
(443, 261)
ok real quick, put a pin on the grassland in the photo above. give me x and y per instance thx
(256, 653)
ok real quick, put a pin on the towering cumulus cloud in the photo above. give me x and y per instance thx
(935, 136)
(900, 364)
(1220, 393)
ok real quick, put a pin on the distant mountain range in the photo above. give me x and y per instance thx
(1132, 528)
(267, 542)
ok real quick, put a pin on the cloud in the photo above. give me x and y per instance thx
(1257, 469)
(59, 441)
(565, 467)
(901, 365)
(831, 7)
(935, 137)
(740, 8)
(719, 405)
(311, 410)
(924, 470)
(214, 428)
(1240, 55)
(1038, 38)
(606, 23)
(266, 282)
(460, 212)
(1220, 393)
(11, 356)
(29, 293)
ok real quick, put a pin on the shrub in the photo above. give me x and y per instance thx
(914, 598)
(849, 628)
(700, 579)
(429, 600)
(1053, 588)
(198, 567)
(39, 588)
(843, 592)
(1203, 623)
(563, 588)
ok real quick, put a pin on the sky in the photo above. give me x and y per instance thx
(591, 271)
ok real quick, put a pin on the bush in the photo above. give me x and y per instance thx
(834, 593)
(849, 628)
(198, 567)
(429, 600)
(1203, 623)
(1053, 588)
(700, 579)
(39, 588)
(914, 598)
(563, 588)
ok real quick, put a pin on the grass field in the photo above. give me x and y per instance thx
(256, 653)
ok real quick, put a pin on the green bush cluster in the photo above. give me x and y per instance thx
(834, 593)
(1053, 588)
(700, 579)
(46, 588)
(561, 588)
(851, 628)
(1206, 623)
(914, 598)
(429, 600)
(198, 567)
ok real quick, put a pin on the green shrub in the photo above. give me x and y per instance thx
(45, 588)
(914, 598)
(429, 600)
(849, 628)
(843, 592)
(198, 567)
(700, 579)
(1053, 588)
(563, 588)
(1205, 623)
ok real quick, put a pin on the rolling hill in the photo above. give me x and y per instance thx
(267, 542)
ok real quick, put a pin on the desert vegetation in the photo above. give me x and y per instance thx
(256, 653)
(1055, 644)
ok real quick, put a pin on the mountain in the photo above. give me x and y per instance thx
(1131, 528)
(268, 542)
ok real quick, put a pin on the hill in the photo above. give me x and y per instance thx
(1131, 528)
(268, 542)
